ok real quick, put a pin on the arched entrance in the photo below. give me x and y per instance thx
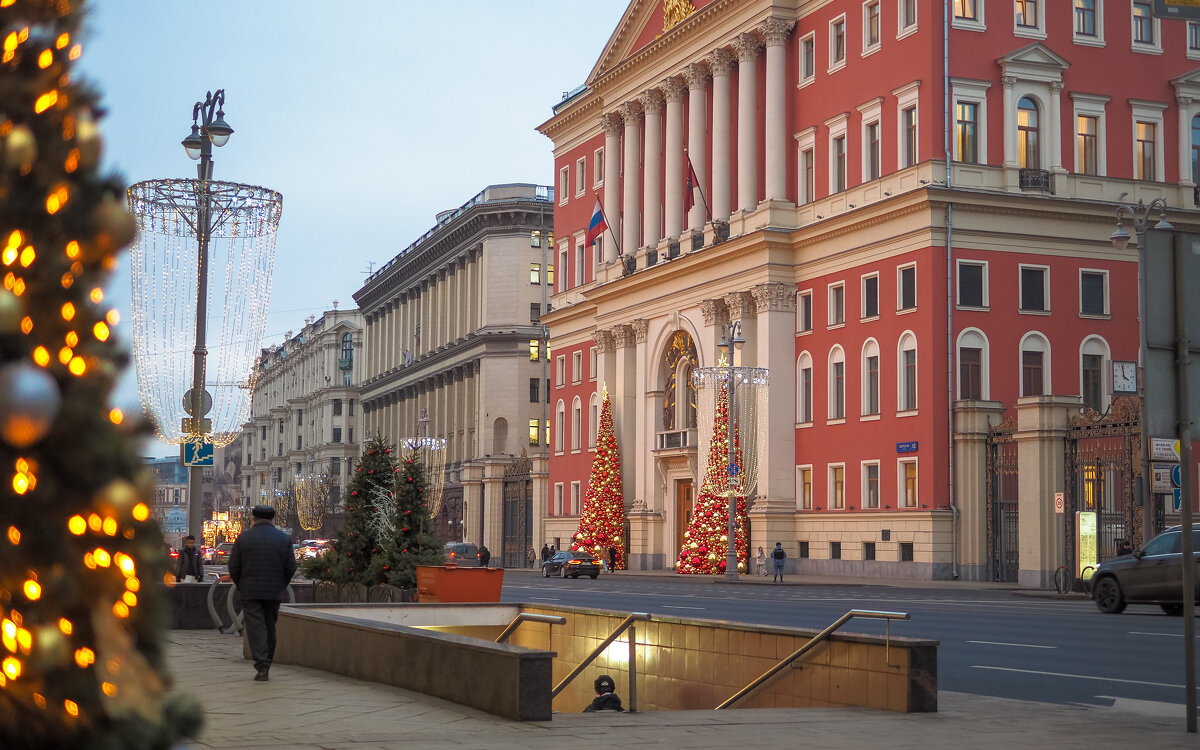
(675, 446)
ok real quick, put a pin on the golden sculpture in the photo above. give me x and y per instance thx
(675, 11)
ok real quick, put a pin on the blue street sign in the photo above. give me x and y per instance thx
(733, 470)
(1178, 498)
(1176, 476)
(909, 446)
(198, 454)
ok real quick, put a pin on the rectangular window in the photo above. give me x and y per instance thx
(1193, 36)
(535, 273)
(535, 240)
(839, 163)
(1031, 373)
(870, 24)
(580, 177)
(564, 277)
(560, 370)
(335, 467)
(337, 407)
(837, 42)
(908, 13)
(564, 184)
(870, 296)
(906, 288)
(909, 118)
(870, 483)
(966, 9)
(871, 397)
(837, 487)
(871, 154)
(598, 167)
(868, 550)
(1093, 293)
(835, 550)
(1027, 13)
(577, 367)
(906, 551)
(337, 435)
(558, 499)
(350, 408)
(1085, 17)
(1092, 382)
(808, 67)
(804, 317)
(575, 498)
(804, 487)
(580, 262)
(550, 276)
(806, 390)
(908, 363)
(349, 434)
(837, 304)
(535, 312)
(972, 284)
(838, 407)
(299, 417)
(533, 432)
(802, 550)
(1087, 145)
(970, 373)
(533, 350)
(299, 442)
(592, 363)
(908, 483)
(534, 394)
(808, 175)
(966, 132)
(1033, 290)
(1143, 24)
(1145, 151)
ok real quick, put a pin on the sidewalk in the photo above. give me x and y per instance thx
(305, 709)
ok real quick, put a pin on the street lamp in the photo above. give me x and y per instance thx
(731, 341)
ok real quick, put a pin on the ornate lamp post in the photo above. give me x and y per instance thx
(731, 342)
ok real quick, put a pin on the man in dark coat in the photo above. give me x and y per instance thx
(545, 552)
(261, 565)
(190, 563)
(606, 699)
(484, 556)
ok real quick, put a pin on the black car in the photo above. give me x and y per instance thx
(1150, 575)
(568, 564)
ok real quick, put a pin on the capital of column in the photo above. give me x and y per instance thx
(604, 340)
(775, 296)
(775, 31)
(1008, 81)
(1056, 87)
(1183, 101)
(612, 122)
(746, 46)
(622, 335)
(720, 62)
(740, 305)
(631, 113)
(651, 101)
(696, 76)
(673, 89)
(711, 310)
(640, 327)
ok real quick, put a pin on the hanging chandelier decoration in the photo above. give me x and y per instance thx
(312, 492)
(431, 454)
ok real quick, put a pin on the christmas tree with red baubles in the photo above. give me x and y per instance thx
(705, 543)
(602, 518)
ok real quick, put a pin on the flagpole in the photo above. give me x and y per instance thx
(695, 180)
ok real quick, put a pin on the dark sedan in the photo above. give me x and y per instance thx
(568, 564)
(1151, 575)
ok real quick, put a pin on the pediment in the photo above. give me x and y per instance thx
(1033, 62)
(643, 23)
(1188, 84)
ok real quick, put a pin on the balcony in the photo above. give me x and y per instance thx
(345, 363)
(675, 440)
(1034, 179)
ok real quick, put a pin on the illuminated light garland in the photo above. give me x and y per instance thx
(108, 689)
(141, 512)
(115, 415)
(28, 256)
(125, 563)
(110, 526)
(57, 199)
(85, 657)
(89, 561)
(63, 40)
(45, 59)
(101, 331)
(68, 280)
(129, 598)
(14, 535)
(65, 626)
(102, 557)
(9, 255)
(76, 525)
(45, 102)
(75, 52)
(26, 325)
(11, 666)
(73, 250)
(41, 356)
(18, 287)
(72, 339)
(32, 590)
(77, 366)
(113, 317)
(71, 707)
(65, 354)
(72, 162)
(96, 295)
(121, 609)
(133, 583)
(68, 311)
(95, 522)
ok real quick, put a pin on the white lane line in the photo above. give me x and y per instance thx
(1169, 635)
(1017, 645)
(1079, 676)
(673, 606)
(544, 598)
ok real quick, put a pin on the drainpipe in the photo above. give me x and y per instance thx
(949, 291)
(541, 430)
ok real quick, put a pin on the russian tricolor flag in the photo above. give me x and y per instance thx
(597, 225)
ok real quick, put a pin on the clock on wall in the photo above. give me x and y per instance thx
(1124, 377)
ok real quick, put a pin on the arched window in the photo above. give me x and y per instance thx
(1035, 365)
(594, 420)
(973, 366)
(560, 418)
(906, 370)
(837, 383)
(870, 378)
(679, 404)
(576, 423)
(500, 435)
(1028, 148)
(1093, 358)
(804, 389)
(1196, 149)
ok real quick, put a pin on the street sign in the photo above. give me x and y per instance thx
(198, 453)
(1059, 505)
(205, 402)
(1164, 449)
(1178, 499)
(733, 470)
(1161, 479)
(909, 446)
(1176, 477)
(1158, 286)
(1177, 9)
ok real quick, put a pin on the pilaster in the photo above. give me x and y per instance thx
(1040, 435)
(972, 419)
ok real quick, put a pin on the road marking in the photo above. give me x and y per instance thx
(1079, 676)
(1017, 645)
(1169, 635)
(545, 598)
(1145, 708)
(673, 606)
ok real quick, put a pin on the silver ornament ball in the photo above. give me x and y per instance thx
(29, 403)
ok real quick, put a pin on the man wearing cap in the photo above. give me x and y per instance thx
(606, 699)
(261, 565)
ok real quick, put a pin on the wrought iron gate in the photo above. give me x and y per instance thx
(1003, 549)
(518, 512)
(1100, 461)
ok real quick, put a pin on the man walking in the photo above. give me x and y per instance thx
(778, 556)
(190, 563)
(261, 566)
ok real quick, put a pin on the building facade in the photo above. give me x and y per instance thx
(906, 207)
(305, 415)
(454, 337)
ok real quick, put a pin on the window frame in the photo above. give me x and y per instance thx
(871, 115)
(870, 403)
(598, 167)
(560, 370)
(835, 316)
(580, 261)
(576, 424)
(804, 398)
(1035, 30)
(975, 93)
(560, 426)
(1154, 46)
(1029, 133)
(974, 21)
(865, 481)
(576, 497)
(1096, 346)
(1103, 274)
(557, 508)
(564, 184)
(577, 367)
(835, 386)
(1043, 348)
(1092, 105)
(804, 487)
(907, 98)
(1088, 40)
(907, 377)
(1150, 113)
(804, 311)
(593, 420)
(1192, 34)
(869, 46)
(902, 498)
(864, 314)
(1045, 271)
(906, 22)
(837, 28)
(835, 490)
(806, 180)
(958, 296)
(580, 176)
(807, 67)
(901, 271)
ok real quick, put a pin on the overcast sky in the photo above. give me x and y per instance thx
(369, 117)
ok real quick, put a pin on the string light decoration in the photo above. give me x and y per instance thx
(81, 563)
(431, 453)
(242, 225)
(602, 517)
(312, 493)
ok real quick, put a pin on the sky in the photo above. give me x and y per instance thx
(368, 117)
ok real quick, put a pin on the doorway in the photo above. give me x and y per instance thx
(685, 502)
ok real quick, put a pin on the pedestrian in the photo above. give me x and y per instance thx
(612, 559)
(261, 565)
(606, 699)
(760, 563)
(553, 551)
(484, 556)
(778, 555)
(190, 563)
(530, 556)
(1124, 547)
(545, 552)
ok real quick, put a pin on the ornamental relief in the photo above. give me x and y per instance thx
(674, 11)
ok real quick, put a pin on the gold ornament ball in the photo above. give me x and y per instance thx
(118, 495)
(11, 312)
(87, 138)
(20, 147)
(115, 227)
(52, 647)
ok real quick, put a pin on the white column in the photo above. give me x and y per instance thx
(696, 76)
(721, 64)
(775, 32)
(652, 103)
(1010, 121)
(746, 46)
(631, 214)
(1055, 128)
(1184, 105)
(673, 156)
(612, 185)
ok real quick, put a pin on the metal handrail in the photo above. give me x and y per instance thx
(626, 624)
(813, 643)
(529, 617)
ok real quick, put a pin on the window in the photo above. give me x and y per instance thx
(533, 350)
(907, 14)
(908, 373)
(577, 367)
(870, 485)
(598, 167)
(837, 157)
(349, 434)
(837, 487)
(350, 408)
(1086, 147)
(835, 550)
(1196, 149)
(870, 378)
(1144, 25)
(972, 284)
(557, 510)
(906, 552)
(970, 371)
(533, 432)
(804, 317)
(335, 467)
(908, 150)
(564, 184)
(594, 421)
(563, 253)
(535, 240)
(347, 347)
(299, 417)
(1085, 18)
(560, 370)
(580, 177)
(837, 384)
(966, 9)
(1034, 365)
(535, 273)
(870, 296)
(592, 363)
(837, 304)
(580, 262)
(1144, 151)
(966, 132)
(576, 423)
(1091, 382)
(808, 68)
(1033, 289)
(560, 424)
(575, 498)
(534, 394)
(1093, 293)
(804, 389)
(337, 407)
(907, 475)
(870, 26)
(337, 435)
(1193, 37)
(550, 273)
(1028, 148)
(299, 442)
(535, 312)
(806, 166)
(1027, 14)
(837, 43)
(804, 488)
(869, 550)
(906, 287)
(871, 151)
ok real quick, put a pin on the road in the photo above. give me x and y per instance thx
(993, 642)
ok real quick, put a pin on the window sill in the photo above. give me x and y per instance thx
(833, 326)
(1193, 54)
(904, 33)
(870, 417)
(1034, 312)
(598, 184)
(868, 51)
(1029, 32)
(907, 413)
(1095, 316)
(805, 332)
(973, 308)
(906, 310)
(836, 420)
(1088, 41)
(807, 82)
(804, 425)
(869, 318)
(968, 24)
(836, 66)
(1145, 49)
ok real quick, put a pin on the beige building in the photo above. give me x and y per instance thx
(453, 332)
(304, 411)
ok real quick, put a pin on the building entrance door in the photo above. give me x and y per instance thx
(685, 501)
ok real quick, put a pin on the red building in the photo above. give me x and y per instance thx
(908, 214)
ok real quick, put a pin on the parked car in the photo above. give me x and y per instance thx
(206, 552)
(570, 564)
(221, 553)
(1150, 575)
(462, 553)
(312, 548)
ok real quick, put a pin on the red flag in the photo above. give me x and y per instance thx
(689, 187)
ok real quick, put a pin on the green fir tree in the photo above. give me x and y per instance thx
(411, 543)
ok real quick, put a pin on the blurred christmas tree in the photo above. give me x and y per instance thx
(602, 518)
(706, 541)
(82, 598)
(410, 543)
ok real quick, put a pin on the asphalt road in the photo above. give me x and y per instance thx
(993, 642)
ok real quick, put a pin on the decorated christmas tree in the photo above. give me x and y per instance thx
(706, 541)
(602, 518)
(82, 566)
(409, 542)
